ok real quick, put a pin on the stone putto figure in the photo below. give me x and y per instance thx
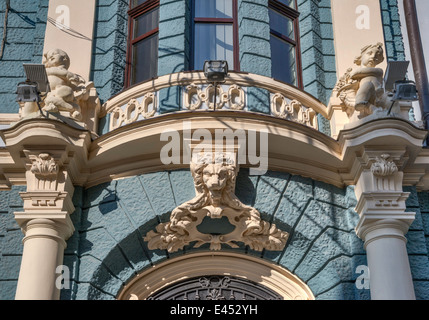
(65, 86)
(361, 89)
(68, 91)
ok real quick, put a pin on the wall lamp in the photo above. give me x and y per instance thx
(37, 82)
(404, 90)
(215, 71)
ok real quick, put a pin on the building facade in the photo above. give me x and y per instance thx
(303, 174)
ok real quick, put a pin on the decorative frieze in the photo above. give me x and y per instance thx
(202, 97)
(293, 110)
(134, 110)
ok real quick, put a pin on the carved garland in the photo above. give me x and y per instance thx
(214, 178)
(195, 97)
(146, 108)
(293, 111)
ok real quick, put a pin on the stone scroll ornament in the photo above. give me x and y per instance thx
(214, 178)
(361, 87)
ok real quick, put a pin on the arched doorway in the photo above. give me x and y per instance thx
(211, 276)
(215, 287)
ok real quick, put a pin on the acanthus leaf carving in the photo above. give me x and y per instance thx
(215, 198)
(383, 167)
(44, 165)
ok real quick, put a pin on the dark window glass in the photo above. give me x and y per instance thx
(284, 42)
(283, 60)
(281, 24)
(221, 9)
(146, 22)
(144, 64)
(215, 32)
(142, 57)
(289, 3)
(136, 3)
(213, 42)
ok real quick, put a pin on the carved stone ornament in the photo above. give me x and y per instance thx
(293, 111)
(44, 165)
(195, 97)
(134, 111)
(383, 167)
(68, 94)
(214, 178)
(361, 87)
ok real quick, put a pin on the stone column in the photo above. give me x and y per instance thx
(44, 245)
(382, 226)
(46, 224)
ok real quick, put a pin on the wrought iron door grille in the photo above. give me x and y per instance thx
(216, 288)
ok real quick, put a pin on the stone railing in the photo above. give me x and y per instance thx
(142, 101)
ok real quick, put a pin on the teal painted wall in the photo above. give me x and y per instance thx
(10, 242)
(25, 33)
(254, 37)
(418, 241)
(109, 47)
(317, 50)
(392, 30)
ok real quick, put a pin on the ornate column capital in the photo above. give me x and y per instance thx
(379, 190)
(49, 189)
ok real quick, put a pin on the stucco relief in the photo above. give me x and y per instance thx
(293, 111)
(214, 178)
(196, 97)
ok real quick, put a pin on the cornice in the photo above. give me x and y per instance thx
(292, 147)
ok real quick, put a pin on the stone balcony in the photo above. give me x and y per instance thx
(142, 101)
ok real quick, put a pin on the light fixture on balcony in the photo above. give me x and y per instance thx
(37, 82)
(404, 90)
(215, 71)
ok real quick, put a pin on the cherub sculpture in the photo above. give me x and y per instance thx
(66, 87)
(362, 88)
(214, 178)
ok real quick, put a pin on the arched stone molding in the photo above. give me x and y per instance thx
(265, 273)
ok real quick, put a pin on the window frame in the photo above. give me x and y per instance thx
(292, 14)
(133, 14)
(233, 21)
